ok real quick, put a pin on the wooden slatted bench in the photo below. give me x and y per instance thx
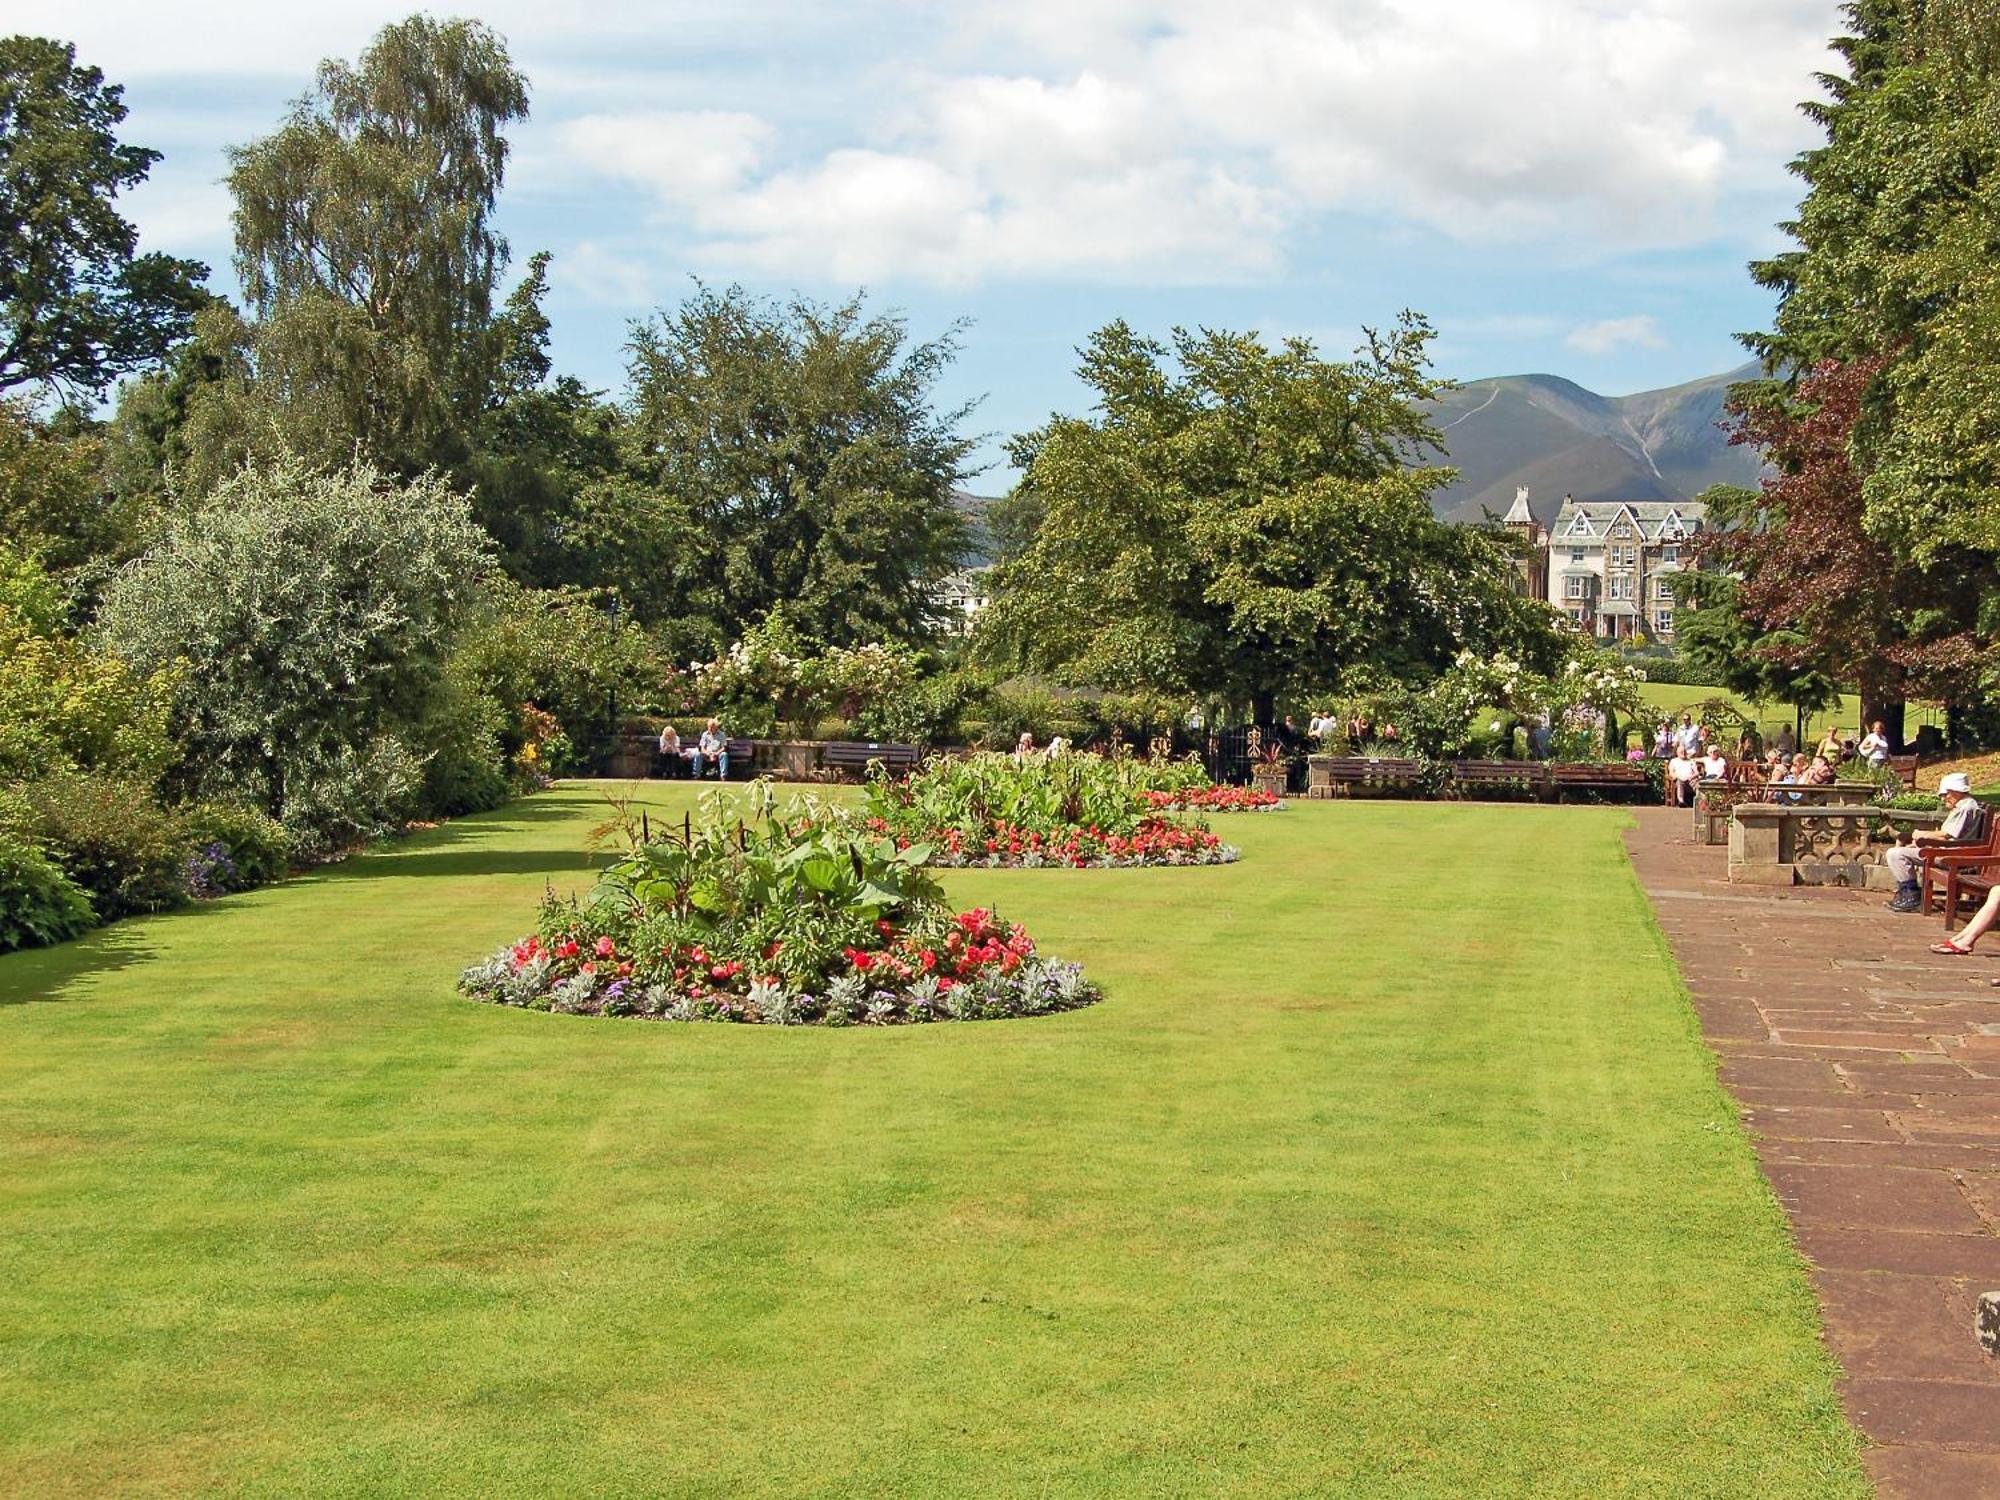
(1611, 776)
(1344, 775)
(1503, 775)
(854, 757)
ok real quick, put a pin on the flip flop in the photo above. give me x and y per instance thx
(1948, 946)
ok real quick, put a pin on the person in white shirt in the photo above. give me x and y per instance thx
(712, 746)
(1874, 747)
(1964, 819)
(1715, 765)
(1687, 738)
(1683, 772)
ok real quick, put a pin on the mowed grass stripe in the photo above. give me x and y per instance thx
(1392, 1165)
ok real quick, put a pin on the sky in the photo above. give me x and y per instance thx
(1561, 186)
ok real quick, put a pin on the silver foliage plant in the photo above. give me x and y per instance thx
(1038, 986)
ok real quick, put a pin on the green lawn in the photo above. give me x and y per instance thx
(1664, 698)
(1393, 1165)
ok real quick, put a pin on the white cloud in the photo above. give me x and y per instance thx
(685, 157)
(1145, 140)
(1611, 334)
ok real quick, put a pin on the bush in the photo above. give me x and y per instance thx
(466, 769)
(1028, 707)
(252, 842)
(63, 706)
(39, 904)
(113, 840)
(316, 611)
(930, 711)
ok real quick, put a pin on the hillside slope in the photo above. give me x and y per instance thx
(1558, 438)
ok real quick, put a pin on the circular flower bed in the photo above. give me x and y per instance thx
(1220, 799)
(799, 921)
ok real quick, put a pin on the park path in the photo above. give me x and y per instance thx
(1868, 1073)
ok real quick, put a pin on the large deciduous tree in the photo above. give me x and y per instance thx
(1241, 521)
(365, 245)
(785, 457)
(1878, 544)
(79, 306)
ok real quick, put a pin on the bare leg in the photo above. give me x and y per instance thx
(1982, 919)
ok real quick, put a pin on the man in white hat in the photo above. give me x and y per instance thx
(1964, 820)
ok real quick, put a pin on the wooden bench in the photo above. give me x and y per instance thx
(1610, 776)
(1504, 775)
(854, 757)
(742, 759)
(1344, 775)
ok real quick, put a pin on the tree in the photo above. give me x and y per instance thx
(786, 457)
(51, 500)
(79, 306)
(365, 244)
(1245, 522)
(1736, 654)
(1881, 549)
(314, 610)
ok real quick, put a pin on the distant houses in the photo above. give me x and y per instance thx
(1611, 566)
(960, 597)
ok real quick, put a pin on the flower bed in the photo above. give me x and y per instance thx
(799, 920)
(1220, 799)
(1075, 811)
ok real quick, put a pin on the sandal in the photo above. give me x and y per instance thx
(1948, 946)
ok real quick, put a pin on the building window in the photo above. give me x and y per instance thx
(1579, 588)
(1620, 588)
(1576, 554)
(1663, 622)
(1663, 590)
(1670, 554)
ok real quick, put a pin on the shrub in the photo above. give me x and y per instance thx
(252, 841)
(466, 766)
(315, 610)
(113, 840)
(929, 711)
(39, 904)
(63, 706)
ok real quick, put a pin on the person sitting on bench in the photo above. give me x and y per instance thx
(1963, 819)
(712, 746)
(673, 754)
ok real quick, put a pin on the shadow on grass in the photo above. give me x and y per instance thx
(48, 975)
(423, 864)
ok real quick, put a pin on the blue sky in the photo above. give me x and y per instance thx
(1569, 186)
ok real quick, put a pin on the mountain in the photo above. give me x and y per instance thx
(979, 537)
(1558, 439)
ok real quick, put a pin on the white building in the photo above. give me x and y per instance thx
(1613, 564)
(960, 598)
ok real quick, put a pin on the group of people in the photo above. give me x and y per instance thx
(710, 748)
(1025, 748)
(1358, 729)
(1694, 755)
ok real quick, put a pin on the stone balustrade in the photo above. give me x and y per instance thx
(1716, 800)
(1800, 844)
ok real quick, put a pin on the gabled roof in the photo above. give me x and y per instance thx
(1654, 520)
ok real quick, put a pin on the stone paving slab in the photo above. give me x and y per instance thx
(1868, 1074)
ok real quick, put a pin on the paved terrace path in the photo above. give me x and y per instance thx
(1868, 1071)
